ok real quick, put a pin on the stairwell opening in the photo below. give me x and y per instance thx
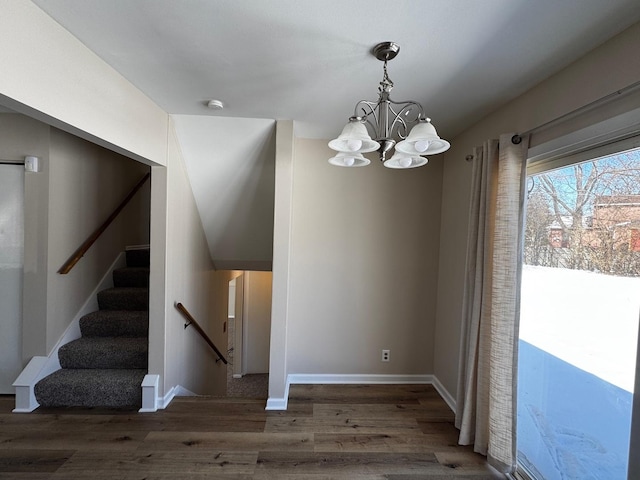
(248, 334)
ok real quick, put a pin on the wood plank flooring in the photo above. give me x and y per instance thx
(337, 432)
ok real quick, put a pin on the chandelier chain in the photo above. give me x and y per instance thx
(386, 81)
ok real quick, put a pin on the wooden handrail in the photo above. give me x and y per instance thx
(192, 321)
(82, 249)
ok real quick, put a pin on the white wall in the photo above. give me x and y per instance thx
(363, 265)
(601, 72)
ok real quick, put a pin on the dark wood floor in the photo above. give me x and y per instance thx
(342, 432)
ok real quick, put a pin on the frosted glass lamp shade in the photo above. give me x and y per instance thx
(423, 140)
(345, 159)
(354, 139)
(401, 161)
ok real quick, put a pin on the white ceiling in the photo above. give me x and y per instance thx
(309, 61)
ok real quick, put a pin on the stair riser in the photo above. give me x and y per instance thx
(81, 388)
(123, 399)
(107, 353)
(131, 277)
(137, 258)
(119, 324)
(110, 300)
(123, 361)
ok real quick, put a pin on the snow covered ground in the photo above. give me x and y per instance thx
(587, 319)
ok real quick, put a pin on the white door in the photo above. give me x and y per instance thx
(11, 273)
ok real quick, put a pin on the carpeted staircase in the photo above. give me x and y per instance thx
(105, 367)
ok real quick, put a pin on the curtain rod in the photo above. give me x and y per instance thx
(11, 162)
(517, 138)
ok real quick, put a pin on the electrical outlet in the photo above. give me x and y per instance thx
(386, 355)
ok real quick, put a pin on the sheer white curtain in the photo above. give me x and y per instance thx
(486, 403)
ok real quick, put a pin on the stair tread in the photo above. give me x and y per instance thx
(91, 388)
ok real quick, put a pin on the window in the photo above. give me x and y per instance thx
(579, 318)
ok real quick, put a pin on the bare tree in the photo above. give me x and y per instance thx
(593, 204)
(536, 236)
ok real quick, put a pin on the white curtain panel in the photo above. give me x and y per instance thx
(486, 403)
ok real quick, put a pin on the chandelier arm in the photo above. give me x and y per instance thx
(399, 124)
(368, 109)
(371, 107)
(408, 104)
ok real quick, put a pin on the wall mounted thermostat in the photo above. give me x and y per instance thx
(31, 164)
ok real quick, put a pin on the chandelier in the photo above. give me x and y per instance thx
(387, 119)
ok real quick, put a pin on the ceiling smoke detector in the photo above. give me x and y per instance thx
(215, 104)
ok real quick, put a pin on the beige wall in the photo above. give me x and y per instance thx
(21, 136)
(48, 74)
(601, 72)
(256, 322)
(605, 70)
(363, 266)
(86, 183)
(190, 279)
(283, 197)
(77, 188)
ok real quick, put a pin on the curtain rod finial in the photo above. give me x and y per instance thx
(516, 139)
(468, 158)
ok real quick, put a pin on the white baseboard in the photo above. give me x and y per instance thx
(163, 402)
(355, 379)
(276, 403)
(444, 393)
(180, 391)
